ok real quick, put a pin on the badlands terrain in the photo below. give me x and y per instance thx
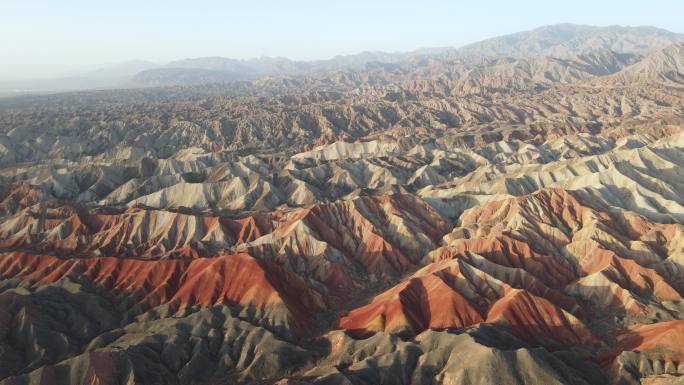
(510, 212)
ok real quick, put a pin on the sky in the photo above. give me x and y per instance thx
(51, 38)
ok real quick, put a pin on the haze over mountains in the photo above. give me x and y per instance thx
(508, 212)
(559, 41)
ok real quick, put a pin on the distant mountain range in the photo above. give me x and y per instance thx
(566, 40)
(557, 41)
(560, 41)
(219, 69)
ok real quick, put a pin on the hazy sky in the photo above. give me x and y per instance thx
(45, 38)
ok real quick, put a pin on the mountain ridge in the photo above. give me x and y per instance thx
(558, 41)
